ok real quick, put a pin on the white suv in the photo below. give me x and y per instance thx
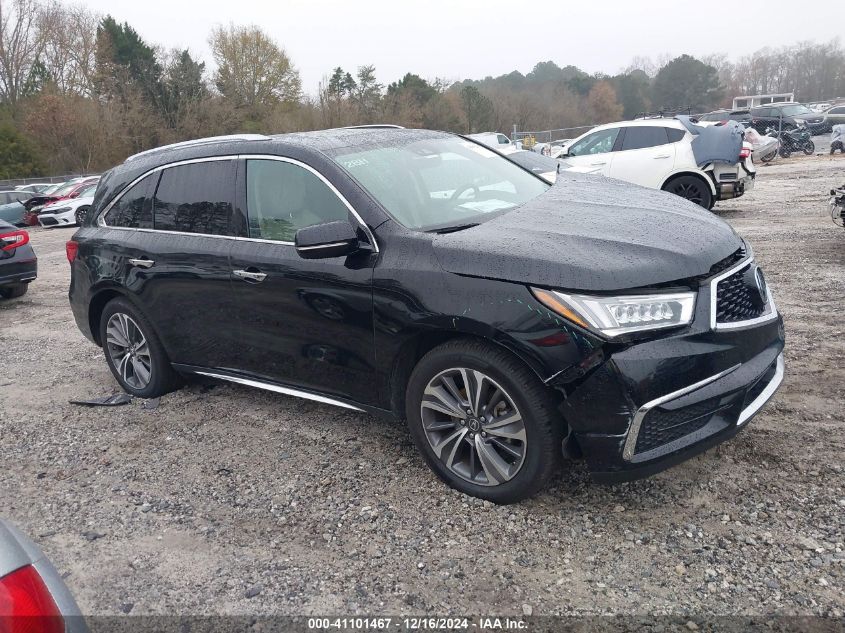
(658, 153)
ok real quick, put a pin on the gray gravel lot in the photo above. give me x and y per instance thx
(230, 500)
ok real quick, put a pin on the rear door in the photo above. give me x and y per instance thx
(178, 268)
(646, 157)
(306, 323)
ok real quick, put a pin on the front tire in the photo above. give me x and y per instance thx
(80, 215)
(692, 188)
(809, 148)
(483, 421)
(13, 292)
(134, 352)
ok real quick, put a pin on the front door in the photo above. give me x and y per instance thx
(305, 323)
(592, 153)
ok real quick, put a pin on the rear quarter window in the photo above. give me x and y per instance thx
(134, 209)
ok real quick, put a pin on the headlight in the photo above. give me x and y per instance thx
(621, 314)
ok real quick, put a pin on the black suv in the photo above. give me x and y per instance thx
(422, 275)
(717, 116)
(792, 115)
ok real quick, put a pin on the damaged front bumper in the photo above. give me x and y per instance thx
(662, 401)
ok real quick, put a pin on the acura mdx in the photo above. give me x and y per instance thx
(424, 276)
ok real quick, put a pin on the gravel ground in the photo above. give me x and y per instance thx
(230, 500)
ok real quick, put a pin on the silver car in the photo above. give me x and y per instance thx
(31, 590)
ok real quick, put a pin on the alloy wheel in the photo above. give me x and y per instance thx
(689, 190)
(128, 350)
(473, 426)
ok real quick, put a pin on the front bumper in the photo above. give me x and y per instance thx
(57, 219)
(660, 401)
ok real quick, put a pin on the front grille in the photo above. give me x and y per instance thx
(661, 426)
(736, 300)
(49, 221)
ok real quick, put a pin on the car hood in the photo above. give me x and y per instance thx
(591, 233)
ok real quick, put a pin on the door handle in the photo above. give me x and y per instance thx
(662, 156)
(250, 275)
(142, 263)
(597, 164)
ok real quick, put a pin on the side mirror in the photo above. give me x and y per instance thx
(321, 241)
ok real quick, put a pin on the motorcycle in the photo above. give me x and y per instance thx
(837, 206)
(793, 140)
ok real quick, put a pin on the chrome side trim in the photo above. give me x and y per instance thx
(770, 314)
(288, 391)
(101, 221)
(319, 246)
(765, 395)
(634, 431)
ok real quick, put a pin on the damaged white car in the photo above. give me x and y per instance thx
(701, 163)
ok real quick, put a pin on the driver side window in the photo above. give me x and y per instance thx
(599, 142)
(283, 197)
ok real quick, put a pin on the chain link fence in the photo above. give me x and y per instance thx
(11, 183)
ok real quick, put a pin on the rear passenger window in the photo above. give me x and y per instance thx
(675, 135)
(283, 197)
(134, 209)
(197, 198)
(643, 136)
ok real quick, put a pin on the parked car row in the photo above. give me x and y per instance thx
(781, 115)
(59, 204)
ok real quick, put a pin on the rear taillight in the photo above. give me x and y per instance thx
(13, 240)
(71, 249)
(745, 152)
(26, 604)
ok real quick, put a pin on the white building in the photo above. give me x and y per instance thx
(751, 101)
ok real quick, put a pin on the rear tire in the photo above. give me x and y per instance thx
(13, 292)
(508, 445)
(134, 352)
(691, 188)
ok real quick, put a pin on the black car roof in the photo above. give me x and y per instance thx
(309, 147)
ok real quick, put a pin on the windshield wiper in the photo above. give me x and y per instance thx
(455, 228)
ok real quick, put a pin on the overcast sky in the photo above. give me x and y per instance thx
(459, 39)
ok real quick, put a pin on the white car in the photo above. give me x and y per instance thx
(68, 212)
(496, 140)
(658, 153)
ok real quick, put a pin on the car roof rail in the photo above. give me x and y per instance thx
(201, 141)
(665, 113)
(373, 126)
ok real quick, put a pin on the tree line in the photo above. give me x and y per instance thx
(81, 91)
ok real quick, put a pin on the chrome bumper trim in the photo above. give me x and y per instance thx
(634, 431)
(766, 394)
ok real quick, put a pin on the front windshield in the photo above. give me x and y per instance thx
(439, 182)
(795, 109)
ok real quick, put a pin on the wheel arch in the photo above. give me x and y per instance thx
(414, 348)
(99, 300)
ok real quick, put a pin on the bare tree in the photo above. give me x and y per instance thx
(252, 69)
(69, 34)
(21, 43)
